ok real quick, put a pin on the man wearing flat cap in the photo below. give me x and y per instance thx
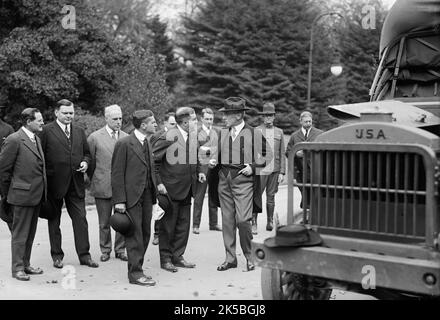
(273, 174)
(240, 156)
(134, 192)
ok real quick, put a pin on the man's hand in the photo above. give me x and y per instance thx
(300, 154)
(246, 171)
(161, 189)
(202, 177)
(212, 163)
(280, 178)
(120, 207)
(82, 167)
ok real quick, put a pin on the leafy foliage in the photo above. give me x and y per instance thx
(41, 62)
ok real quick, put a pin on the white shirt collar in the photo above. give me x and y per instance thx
(63, 126)
(110, 131)
(140, 136)
(239, 127)
(183, 132)
(30, 134)
(205, 128)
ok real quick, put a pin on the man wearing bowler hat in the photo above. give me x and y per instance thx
(240, 156)
(273, 174)
(134, 192)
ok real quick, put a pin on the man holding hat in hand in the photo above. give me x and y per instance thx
(273, 174)
(134, 192)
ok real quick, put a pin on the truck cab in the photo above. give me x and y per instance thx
(374, 181)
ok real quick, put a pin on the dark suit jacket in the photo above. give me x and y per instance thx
(176, 163)
(295, 138)
(5, 130)
(129, 169)
(62, 159)
(22, 170)
(223, 136)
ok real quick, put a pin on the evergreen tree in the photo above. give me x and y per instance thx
(256, 49)
(41, 61)
(161, 44)
(360, 47)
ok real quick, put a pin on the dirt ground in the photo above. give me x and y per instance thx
(109, 281)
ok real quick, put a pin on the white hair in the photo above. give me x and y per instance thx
(112, 109)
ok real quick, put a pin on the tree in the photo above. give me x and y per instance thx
(256, 49)
(42, 60)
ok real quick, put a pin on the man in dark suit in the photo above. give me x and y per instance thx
(177, 169)
(23, 183)
(207, 136)
(133, 191)
(241, 155)
(67, 158)
(169, 122)
(273, 174)
(306, 133)
(102, 143)
(5, 131)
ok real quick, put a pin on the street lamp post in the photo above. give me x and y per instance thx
(335, 69)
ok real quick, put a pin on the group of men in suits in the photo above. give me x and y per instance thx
(43, 166)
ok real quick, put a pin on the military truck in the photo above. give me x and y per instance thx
(374, 181)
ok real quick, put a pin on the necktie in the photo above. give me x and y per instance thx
(114, 135)
(233, 133)
(34, 141)
(66, 131)
(307, 133)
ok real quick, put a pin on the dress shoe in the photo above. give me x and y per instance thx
(168, 266)
(156, 240)
(269, 226)
(143, 281)
(184, 264)
(196, 230)
(32, 270)
(226, 265)
(122, 256)
(90, 263)
(249, 266)
(215, 228)
(57, 263)
(105, 257)
(21, 275)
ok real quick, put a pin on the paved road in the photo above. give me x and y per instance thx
(109, 281)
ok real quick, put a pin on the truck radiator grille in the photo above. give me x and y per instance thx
(366, 194)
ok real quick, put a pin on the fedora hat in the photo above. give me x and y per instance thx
(164, 202)
(268, 109)
(294, 235)
(121, 222)
(234, 104)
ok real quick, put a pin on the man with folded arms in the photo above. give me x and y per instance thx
(23, 183)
